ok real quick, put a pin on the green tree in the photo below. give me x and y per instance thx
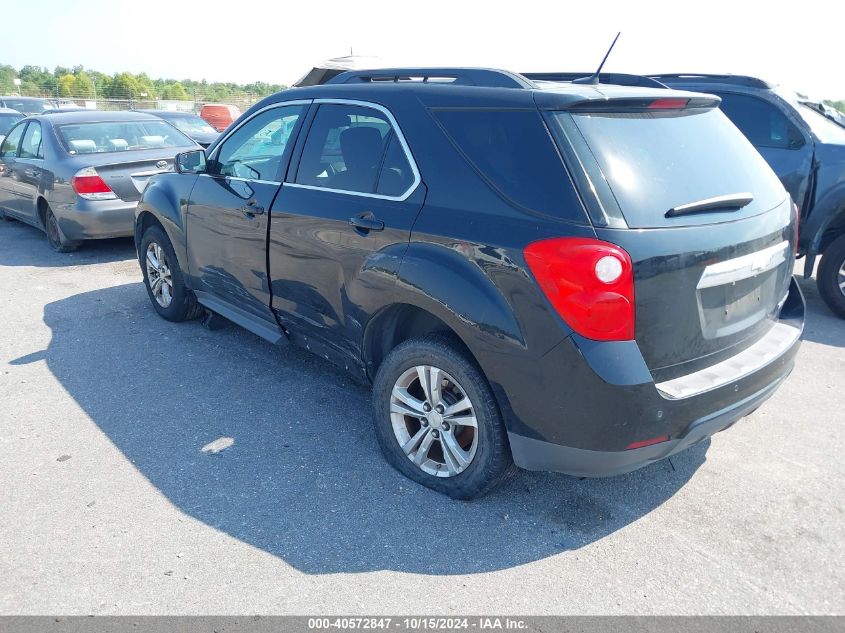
(83, 86)
(123, 86)
(67, 85)
(175, 91)
(7, 79)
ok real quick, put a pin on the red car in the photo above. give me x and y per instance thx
(219, 115)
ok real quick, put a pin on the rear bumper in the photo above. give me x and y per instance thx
(96, 219)
(617, 404)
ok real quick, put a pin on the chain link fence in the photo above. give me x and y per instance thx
(241, 100)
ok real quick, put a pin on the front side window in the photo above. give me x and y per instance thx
(256, 149)
(761, 122)
(31, 145)
(11, 142)
(354, 148)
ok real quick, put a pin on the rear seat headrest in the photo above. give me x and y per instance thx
(118, 143)
(83, 146)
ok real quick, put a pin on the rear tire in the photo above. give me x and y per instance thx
(463, 454)
(55, 237)
(163, 278)
(831, 276)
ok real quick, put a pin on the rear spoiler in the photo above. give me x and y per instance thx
(617, 79)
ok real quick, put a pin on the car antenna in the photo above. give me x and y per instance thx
(594, 78)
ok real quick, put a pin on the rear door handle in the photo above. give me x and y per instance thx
(366, 222)
(252, 208)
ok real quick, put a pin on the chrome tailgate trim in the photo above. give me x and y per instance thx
(773, 344)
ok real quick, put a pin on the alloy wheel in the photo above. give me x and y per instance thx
(159, 275)
(840, 279)
(434, 421)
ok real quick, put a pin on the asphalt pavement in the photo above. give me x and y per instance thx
(157, 468)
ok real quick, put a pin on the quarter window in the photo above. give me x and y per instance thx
(513, 152)
(11, 142)
(761, 122)
(255, 151)
(354, 148)
(31, 145)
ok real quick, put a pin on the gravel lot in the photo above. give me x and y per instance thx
(110, 506)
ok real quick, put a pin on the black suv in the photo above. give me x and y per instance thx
(806, 148)
(554, 275)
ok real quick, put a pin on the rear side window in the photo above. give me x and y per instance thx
(655, 161)
(354, 148)
(513, 152)
(761, 122)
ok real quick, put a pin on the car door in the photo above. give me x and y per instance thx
(227, 217)
(341, 223)
(28, 170)
(787, 149)
(9, 197)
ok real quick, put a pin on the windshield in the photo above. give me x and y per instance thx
(190, 124)
(120, 136)
(823, 128)
(7, 121)
(28, 106)
(656, 161)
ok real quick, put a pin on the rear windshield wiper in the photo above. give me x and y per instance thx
(729, 202)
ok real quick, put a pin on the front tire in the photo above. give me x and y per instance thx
(831, 276)
(163, 278)
(55, 237)
(436, 419)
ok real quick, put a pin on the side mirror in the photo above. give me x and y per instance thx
(192, 162)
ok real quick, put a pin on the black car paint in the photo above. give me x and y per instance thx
(455, 255)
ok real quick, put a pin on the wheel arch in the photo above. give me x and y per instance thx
(825, 224)
(162, 205)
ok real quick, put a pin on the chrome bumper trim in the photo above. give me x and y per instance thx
(779, 339)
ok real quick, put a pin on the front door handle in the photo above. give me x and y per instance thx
(252, 208)
(366, 222)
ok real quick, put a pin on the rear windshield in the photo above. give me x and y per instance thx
(655, 161)
(120, 136)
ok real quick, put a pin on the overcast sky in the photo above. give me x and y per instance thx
(799, 45)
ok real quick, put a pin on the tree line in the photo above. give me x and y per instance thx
(80, 83)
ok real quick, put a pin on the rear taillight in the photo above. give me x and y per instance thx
(589, 283)
(88, 184)
(797, 213)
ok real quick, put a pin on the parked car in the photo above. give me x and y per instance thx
(219, 115)
(806, 148)
(543, 274)
(8, 118)
(189, 124)
(78, 175)
(27, 105)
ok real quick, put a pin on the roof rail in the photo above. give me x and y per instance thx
(617, 79)
(737, 80)
(486, 77)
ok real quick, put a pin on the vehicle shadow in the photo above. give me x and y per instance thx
(822, 325)
(303, 478)
(24, 245)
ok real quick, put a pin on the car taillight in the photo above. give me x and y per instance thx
(88, 184)
(590, 283)
(797, 213)
(668, 104)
